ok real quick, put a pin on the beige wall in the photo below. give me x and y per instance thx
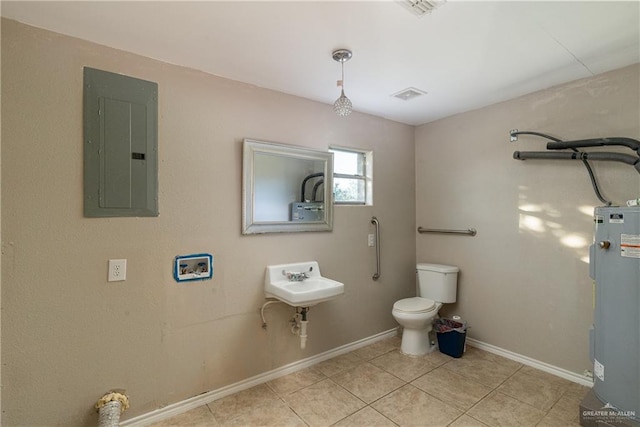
(69, 336)
(524, 283)
(0, 227)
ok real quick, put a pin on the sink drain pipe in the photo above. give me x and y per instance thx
(303, 327)
(299, 325)
(298, 322)
(110, 407)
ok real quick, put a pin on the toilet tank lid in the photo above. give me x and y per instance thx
(440, 268)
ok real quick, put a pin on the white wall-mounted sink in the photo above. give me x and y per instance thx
(310, 288)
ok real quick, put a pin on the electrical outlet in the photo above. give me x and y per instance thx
(371, 241)
(117, 270)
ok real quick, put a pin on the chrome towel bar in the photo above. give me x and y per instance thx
(469, 232)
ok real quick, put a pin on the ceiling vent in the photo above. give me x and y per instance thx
(409, 93)
(420, 7)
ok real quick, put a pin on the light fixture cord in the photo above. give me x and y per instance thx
(342, 81)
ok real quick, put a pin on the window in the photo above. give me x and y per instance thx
(352, 176)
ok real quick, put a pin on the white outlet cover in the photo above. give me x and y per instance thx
(117, 270)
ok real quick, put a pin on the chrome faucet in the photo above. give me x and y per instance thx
(295, 276)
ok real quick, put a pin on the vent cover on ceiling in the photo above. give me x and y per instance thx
(409, 93)
(420, 7)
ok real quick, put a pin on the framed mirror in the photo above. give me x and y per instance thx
(286, 188)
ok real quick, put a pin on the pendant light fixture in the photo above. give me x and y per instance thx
(343, 105)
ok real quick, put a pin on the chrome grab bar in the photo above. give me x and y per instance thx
(375, 222)
(469, 232)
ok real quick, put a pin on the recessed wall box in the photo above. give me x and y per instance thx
(193, 267)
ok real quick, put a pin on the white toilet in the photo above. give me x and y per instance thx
(436, 284)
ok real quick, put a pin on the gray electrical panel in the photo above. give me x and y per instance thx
(120, 145)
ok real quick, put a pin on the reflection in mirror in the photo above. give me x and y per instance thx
(286, 188)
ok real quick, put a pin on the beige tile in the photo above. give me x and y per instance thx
(551, 421)
(242, 402)
(567, 408)
(276, 414)
(366, 417)
(367, 382)
(452, 388)
(339, 364)
(483, 367)
(296, 381)
(577, 391)
(498, 409)
(397, 340)
(323, 403)
(475, 353)
(436, 358)
(405, 367)
(442, 388)
(409, 406)
(198, 417)
(566, 384)
(378, 349)
(466, 421)
(537, 388)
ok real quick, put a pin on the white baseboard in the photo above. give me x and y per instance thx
(554, 370)
(208, 397)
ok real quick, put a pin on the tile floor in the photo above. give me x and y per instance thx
(379, 386)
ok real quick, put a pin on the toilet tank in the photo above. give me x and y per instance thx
(437, 282)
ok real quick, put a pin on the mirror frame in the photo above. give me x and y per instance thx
(251, 148)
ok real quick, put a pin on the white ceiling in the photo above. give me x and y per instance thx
(464, 54)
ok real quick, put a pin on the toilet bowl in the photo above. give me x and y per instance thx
(416, 314)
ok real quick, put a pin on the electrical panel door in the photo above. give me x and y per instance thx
(120, 145)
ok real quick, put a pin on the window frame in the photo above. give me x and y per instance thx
(366, 176)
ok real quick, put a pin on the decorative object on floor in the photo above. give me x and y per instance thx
(110, 407)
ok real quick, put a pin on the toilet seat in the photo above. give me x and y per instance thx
(415, 305)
